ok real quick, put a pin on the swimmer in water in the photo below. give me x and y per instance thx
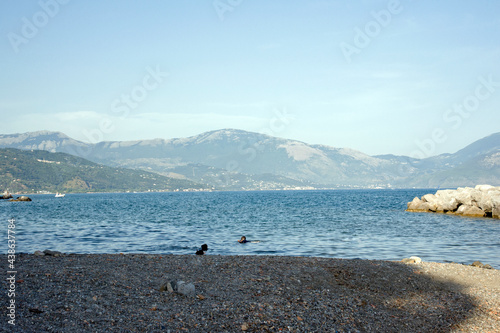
(243, 240)
(204, 248)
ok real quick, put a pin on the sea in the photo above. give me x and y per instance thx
(365, 224)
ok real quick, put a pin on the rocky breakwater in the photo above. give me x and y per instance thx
(481, 201)
(23, 198)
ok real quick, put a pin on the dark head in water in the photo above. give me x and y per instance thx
(203, 249)
(243, 239)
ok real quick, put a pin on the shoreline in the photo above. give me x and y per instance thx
(117, 292)
(445, 262)
(253, 190)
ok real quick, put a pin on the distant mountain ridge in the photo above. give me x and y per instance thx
(32, 171)
(236, 159)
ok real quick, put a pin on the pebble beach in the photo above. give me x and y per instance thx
(127, 293)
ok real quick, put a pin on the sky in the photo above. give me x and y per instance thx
(408, 77)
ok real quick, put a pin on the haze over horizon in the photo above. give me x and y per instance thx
(381, 77)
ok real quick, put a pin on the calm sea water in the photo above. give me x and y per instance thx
(367, 224)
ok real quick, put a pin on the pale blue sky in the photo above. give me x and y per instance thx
(69, 66)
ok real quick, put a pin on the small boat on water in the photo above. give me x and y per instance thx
(60, 195)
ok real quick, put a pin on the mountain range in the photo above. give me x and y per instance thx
(35, 171)
(239, 160)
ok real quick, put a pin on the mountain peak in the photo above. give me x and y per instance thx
(23, 136)
(480, 147)
(38, 140)
(226, 134)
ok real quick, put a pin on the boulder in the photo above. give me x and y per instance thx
(480, 197)
(433, 206)
(418, 205)
(414, 204)
(471, 211)
(446, 200)
(463, 196)
(495, 205)
(485, 188)
(445, 193)
(495, 212)
(485, 203)
(447, 204)
(429, 198)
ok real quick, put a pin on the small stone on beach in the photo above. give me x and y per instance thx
(481, 265)
(412, 260)
(417, 259)
(185, 289)
(179, 287)
(477, 264)
(52, 253)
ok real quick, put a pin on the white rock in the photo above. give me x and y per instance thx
(483, 200)
(445, 193)
(495, 212)
(484, 188)
(464, 197)
(418, 205)
(429, 198)
(414, 203)
(470, 211)
(417, 259)
(448, 205)
(185, 288)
